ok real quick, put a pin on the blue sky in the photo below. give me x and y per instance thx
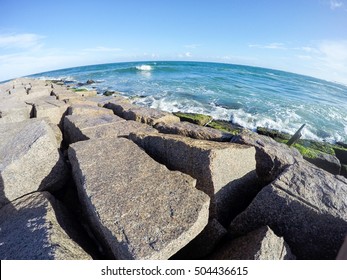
(302, 36)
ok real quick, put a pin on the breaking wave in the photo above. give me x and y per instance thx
(144, 67)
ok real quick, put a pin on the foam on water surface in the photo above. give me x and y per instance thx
(248, 96)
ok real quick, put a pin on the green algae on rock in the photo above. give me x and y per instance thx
(199, 119)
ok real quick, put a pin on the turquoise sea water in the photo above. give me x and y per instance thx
(248, 96)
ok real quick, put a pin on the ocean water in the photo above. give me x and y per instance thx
(244, 95)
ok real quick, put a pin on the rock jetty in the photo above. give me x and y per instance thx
(86, 176)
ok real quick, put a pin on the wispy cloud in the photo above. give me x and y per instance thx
(335, 50)
(192, 46)
(20, 41)
(102, 49)
(335, 4)
(185, 55)
(327, 59)
(275, 46)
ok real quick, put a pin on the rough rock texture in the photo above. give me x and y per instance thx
(48, 107)
(84, 127)
(87, 93)
(137, 206)
(194, 131)
(67, 96)
(306, 205)
(204, 243)
(85, 109)
(327, 162)
(22, 99)
(14, 111)
(23, 90)
(150, 116)
(102, 100)
(132, 112)
(29, 159)
(30, 229)
(215, 165)
(260, 244)
(271, 157)
(119, 105)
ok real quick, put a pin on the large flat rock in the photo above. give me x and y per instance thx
(12, 110)
(87, 109)
(306, 205)
(194, 131)
(218, 167)
(260, 244)
(150, 116)
(86, 126)
(29, 159)
(30, 230)
(138, 208)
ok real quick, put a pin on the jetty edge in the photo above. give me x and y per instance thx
(84, 176)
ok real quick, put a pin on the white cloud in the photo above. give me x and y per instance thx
(334, 50)
(278, 46)
(304, 57)
(192, 46)
(20, 41)
(185, 55)
(306, 49)
(327, 60)
(334, 4)
(102, 49)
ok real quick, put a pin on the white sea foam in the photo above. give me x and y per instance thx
(58, 78)
(144, 67)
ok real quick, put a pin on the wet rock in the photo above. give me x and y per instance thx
(325, 161)
(344, 145)
(149, 116)
(194, 131)
(260, 244)
(139, 208)
(32, 228)
(306, 205)
(198, 119)
(225, 126)
(119, 106)
(128, 111)
(273, 133)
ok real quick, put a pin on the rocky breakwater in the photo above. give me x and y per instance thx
(90, 177)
